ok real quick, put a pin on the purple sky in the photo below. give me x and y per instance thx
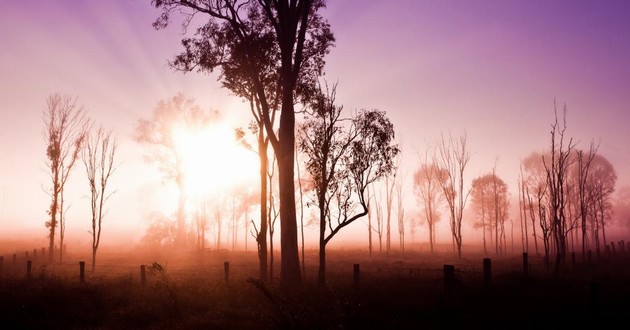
(489, 68)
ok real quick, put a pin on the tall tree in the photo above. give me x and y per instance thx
(170, 118)
(273, 49)
(65, 129)
(556, 168)
(453, 156)
(343, 161)
(98, 158)
(426, 187)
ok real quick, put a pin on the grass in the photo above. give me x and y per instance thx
(188, 291)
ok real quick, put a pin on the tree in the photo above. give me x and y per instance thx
(343, 160)
(454, 157)
(489, 197)
(66, 125)
(557, 168)
(426, 187)
(98, 158)
(273, 50)
(170, 118)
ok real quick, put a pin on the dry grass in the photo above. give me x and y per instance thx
(186, 290)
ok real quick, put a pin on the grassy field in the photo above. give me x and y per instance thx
(188, 290)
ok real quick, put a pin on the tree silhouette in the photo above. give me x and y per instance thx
(65, 131)
(159, 133)
(273, 50)
(454, 157)
(343, 160)
(98, 158)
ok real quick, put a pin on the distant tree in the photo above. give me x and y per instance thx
(162, 232)
(274, 49)
(400, 212)
(428, 191)
(453, 156)
(160, 134)
(581, 175)
(621, 207)
(601, 185)
(98, 158)
(489, 198)
(65, 129)
(343, 161)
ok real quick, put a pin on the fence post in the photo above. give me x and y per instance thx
(143, 275)
(14, 259)
(525, 264)
(226, 271)
(357, 275)
(82, 271)
(29, 266)
(34, 253)
(487, 273)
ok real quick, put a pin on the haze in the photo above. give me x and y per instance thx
(491, 69)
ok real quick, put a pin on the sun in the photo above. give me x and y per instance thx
(213, 161)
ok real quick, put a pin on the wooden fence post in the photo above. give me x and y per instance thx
(487, 273)
(82, 271)
(143, 275)
(14, 259)
(357, 275)
(226, 271)
(525, 264)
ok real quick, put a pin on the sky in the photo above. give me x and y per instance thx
(489, 69)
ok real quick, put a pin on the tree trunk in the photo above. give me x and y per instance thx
(289, 263)
(261, 238)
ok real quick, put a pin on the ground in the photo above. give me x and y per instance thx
(189, 290)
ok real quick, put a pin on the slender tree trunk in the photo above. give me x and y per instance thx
(261, 238)
(289, 261)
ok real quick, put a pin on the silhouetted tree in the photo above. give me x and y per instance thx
(556, 168)
(273, 49)
(65, 129)
(98, 158)
(453, 156)
(171, 117)
(343, 161)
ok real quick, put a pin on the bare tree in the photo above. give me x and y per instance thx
(400, 213)
(98, 158)
(274, 49)
(65, 129)
(426, 184)
(556, 169)
(454, 157)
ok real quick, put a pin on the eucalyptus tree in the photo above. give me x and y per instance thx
(345, 156)
(272, 51)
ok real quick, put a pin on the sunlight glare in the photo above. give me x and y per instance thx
(213, 160)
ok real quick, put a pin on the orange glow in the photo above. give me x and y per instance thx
(213, 160)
